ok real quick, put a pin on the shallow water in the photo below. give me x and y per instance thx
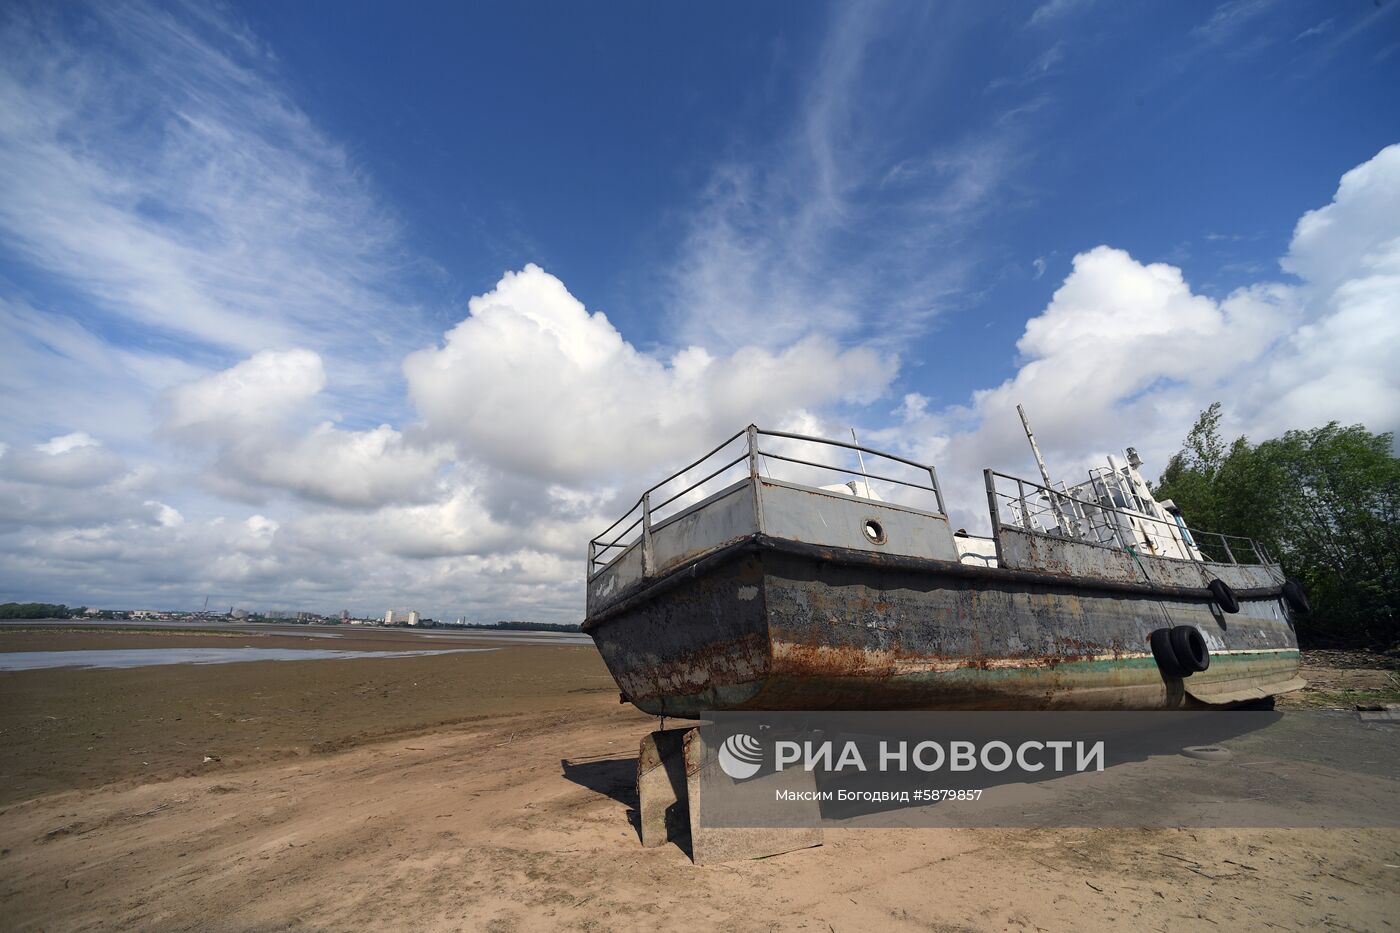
(147, 657)
(514, 636)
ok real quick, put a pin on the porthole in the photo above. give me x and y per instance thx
(874, 532)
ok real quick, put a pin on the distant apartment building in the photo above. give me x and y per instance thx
(401, 617)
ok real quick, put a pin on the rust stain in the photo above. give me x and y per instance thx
(822, 634)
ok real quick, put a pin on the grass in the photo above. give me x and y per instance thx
(1350, 698)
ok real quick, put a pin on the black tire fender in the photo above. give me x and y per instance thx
(1189, 646)
(1295, 597)
(1166, 657)
(1224, 596)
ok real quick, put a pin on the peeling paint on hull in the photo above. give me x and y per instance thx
(776, 628)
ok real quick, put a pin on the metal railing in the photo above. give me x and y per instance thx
(752, 462)
(1040, 509)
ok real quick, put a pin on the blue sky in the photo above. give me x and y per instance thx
(583, 138)
(307, 294)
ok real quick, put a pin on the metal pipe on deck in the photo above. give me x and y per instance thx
(1044, 473)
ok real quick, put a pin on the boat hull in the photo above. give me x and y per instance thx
(778, 625)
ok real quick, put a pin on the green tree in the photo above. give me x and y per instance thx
(33, 611)
(1189, 476)
(1325, 502)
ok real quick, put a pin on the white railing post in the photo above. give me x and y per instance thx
(937, 489)
(759, 524)
(648, 558)
(995, 509)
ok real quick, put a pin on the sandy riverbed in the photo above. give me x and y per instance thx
(498, 794)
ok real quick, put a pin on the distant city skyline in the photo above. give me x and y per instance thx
(319, 306)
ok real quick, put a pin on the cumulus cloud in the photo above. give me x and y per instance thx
(1119, 333)
(74, 460)
(1341, 363)
(164, 178)
(537, 421)
(1128, 353)
(1357, 235)
(264, 389)
(250, 414)
(83, 483)
(350, 468)
(535, 417)
(530, 381)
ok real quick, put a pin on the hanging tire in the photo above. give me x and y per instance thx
(1162, 650)
(1224, 596)
(1295, 597)
(1189, 646)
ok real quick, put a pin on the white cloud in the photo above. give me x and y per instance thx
(531, 382)
(244, 437)
(69, 375)
(167, 516)
(75, 460)
(264, 389)
(1042, 66)
(67, 442)
(1053, 10)
(1316, 29)
(1341, 363)
(1118, 344)
(539, 420)
(1127, 353)
(252, 415)
(357, 469)
(165, 174)
(1357, 235)
(1229, 18)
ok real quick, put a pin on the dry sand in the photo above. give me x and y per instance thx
(524, 820)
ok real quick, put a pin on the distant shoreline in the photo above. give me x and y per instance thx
(521, 626)
(197, 622)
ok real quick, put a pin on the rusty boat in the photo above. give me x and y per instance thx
(749, 581)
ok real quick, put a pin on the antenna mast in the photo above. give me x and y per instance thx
(861, 458)
(1044, 471)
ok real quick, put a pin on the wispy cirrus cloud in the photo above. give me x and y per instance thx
(163, 175)
(1055, 10)
(848, 222)
(1042, 66)
(1228, 20)
(211, 257)
(205, 283)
